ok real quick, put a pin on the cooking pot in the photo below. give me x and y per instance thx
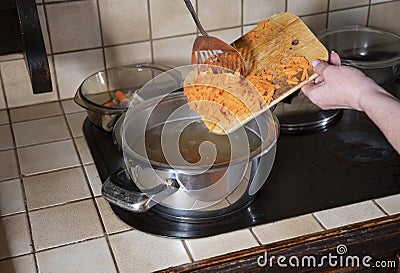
(375, 52)
(175, 162)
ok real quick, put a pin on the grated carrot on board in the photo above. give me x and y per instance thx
(221, 98)
(232, 97)
(237, 103)
(263, 24)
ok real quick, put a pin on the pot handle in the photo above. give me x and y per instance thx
(135, 201)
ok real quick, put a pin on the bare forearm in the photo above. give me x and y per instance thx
(384, 110)
(347, 87)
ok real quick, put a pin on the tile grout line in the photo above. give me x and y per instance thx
(34, 119)
(44, 117)
(368, 12)
(8, 179)
(151, 40)
(17, 256)
(242, 18)
(51, 171)
(63, 1)
(21, 181)
(327, 14)
(123, 44)
(319, 222)
(43, 143)
(175, 36)
(51, 49)
(14, 57)
(197, 11)
(61, 204)
(82, 50)
(349, 8)
(6, 150)
(86, 176)
(255, 236)
(380, 207)
(101, 35)
(3, 90)
(12, 213)
(4, 128)
(185, 246)
(36, 104)
(105, 235)
(122, 231)
(68, 244)
(41, 173)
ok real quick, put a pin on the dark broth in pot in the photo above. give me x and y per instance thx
(190, 140)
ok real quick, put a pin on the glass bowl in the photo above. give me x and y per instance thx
(98, 92)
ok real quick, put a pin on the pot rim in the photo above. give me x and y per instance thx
(261, 150)
(257, 153)
(364, 64)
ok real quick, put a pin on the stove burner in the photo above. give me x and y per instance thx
(356, 149)
(301, 115)
(358, 146)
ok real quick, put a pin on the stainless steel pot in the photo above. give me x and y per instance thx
(179, 185)
(375, 52)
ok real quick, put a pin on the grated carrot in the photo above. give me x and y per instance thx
(121, 95)
(109, 104)
(240, 101)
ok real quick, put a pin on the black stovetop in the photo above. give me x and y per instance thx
(349, 162)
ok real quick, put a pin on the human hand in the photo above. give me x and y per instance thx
(338, 86)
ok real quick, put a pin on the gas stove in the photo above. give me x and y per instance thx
(346, 162)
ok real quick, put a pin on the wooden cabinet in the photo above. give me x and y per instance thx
(374, 244)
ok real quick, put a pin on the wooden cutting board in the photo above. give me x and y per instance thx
(273, 42)
(278, 52)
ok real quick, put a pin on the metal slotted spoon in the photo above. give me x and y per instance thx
(212, 51)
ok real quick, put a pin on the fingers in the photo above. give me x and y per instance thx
(306, 89)
(334, 59)
(318, 80)
(319, 66)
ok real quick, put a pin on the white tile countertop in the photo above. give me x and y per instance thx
(54, 219)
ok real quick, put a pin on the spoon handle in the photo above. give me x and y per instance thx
(196, 19)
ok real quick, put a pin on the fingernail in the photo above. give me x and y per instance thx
(315, 63)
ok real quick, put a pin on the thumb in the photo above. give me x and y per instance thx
(319, 66)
